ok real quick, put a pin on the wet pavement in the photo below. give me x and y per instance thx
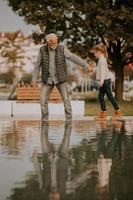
(58, 160)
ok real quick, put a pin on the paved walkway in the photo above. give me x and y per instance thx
(56, 117)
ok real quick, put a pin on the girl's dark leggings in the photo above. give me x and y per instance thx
(106, 89)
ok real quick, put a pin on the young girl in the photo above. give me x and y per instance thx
(104, 78)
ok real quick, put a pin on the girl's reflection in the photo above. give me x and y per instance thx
(53, 171)
(109, 146)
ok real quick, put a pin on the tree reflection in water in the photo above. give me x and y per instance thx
(100, 169)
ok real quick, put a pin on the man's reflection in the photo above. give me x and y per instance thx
(54, 170)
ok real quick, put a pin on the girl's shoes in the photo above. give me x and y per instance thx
(102, 115)
(117, 114)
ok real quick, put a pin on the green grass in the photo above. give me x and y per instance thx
(92, 108)
(4, 90)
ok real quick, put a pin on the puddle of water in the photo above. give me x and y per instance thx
(82, 160)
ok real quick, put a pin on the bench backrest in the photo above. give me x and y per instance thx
(33, 94)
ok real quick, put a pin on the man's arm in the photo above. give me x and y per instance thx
(36, 70)
(75, 59)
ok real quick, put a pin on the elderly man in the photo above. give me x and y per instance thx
(52, 63)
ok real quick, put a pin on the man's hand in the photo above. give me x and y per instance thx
(34, 84)
(101, 83)
(90, 69)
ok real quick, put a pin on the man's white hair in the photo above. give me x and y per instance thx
(50, 35)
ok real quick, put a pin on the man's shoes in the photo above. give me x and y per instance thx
(44, 119)
(102, 115)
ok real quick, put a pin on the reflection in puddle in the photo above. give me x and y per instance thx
(52, 175)
(78, 160)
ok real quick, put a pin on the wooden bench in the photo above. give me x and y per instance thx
(33, 94)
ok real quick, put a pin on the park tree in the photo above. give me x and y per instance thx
(7, 77)
(12, 49)
(83, 23)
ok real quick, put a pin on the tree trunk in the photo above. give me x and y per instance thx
(119, 84)
(13, 89)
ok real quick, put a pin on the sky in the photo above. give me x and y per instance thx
(9, 21)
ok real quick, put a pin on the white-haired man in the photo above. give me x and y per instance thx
(52, 63)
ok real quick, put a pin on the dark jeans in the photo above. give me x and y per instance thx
(106, 89)
(108, 147)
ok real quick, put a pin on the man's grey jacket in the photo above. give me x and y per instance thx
(52, 63)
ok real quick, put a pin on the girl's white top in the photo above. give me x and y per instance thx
(102, 70)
